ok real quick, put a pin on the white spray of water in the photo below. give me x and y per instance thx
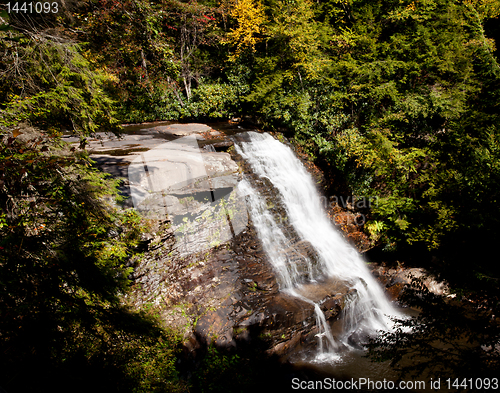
(366, 308)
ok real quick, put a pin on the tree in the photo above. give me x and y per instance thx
(250, 18)
(63, 243)
(419, 103)
(289, 67)
(131, 40)
(158, 52)
(50, 83)
(193, 27)
(63, 251)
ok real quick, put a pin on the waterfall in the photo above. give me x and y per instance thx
(209, 148)
(366, 308)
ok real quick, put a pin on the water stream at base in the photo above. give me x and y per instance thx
(367, 309)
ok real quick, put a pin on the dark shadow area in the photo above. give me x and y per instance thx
(492, 30)
(246, 367)
(116, 167)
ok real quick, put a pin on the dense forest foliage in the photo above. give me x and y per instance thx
(397, 100)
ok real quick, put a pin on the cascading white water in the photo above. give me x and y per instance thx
(209, 148)
(367, 309)
(274, 242)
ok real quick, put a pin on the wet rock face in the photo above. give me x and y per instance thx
(396, 279)
(203, 268)
(229, 295)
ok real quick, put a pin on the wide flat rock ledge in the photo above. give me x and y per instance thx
(184, 129)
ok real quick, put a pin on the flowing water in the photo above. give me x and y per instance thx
(366, 307)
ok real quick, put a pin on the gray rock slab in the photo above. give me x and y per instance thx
(181, 167)
(182, 129)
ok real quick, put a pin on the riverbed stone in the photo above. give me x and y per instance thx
(396, 279)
